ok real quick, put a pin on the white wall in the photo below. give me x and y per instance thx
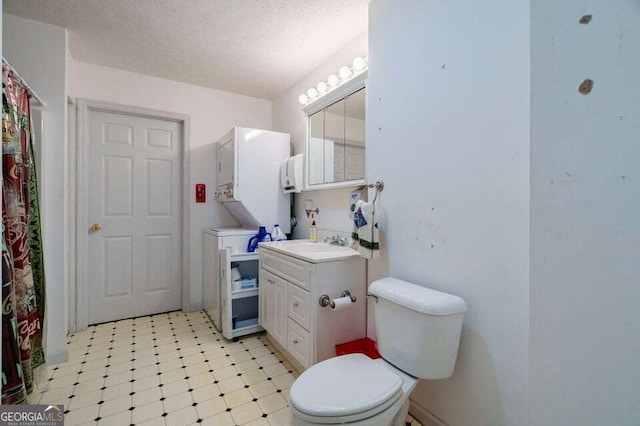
(70, 202)
(448, 132)
(212, 113)
(585, 214)
(38, 51)
(289, 118)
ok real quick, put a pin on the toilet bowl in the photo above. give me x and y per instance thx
(418, 333)
(351, 389)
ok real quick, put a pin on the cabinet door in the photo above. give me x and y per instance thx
(321, 164)
(315, 149)
(354, 162)
(273, 306)
(280, 310)
(265, 296)
(225, 292)
(211, 278)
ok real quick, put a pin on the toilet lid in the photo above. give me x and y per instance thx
(344, 386)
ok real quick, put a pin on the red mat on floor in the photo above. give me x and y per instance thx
(361, 346)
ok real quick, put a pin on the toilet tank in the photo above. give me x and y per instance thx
(418, 329)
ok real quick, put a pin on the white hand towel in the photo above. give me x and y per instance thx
(354, 240)
(368, 233)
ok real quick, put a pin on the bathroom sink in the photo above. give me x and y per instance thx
(309, 247)
(310, 251)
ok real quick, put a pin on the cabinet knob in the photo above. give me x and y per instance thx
(295, 341)
(295, 304)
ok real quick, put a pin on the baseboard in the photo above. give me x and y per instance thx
(424, 416)
(57, 357)
(196, 307)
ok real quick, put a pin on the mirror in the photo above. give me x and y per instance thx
(336, 140)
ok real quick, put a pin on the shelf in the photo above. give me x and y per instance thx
(248, 292)
(239, 257)
(253, 327)
(244, 327)
(251, 322)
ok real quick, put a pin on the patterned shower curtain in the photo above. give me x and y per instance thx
(22, 263)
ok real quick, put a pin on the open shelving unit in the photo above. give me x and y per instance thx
(239, 307)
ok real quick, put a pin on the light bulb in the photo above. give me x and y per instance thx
(312, 93)
(303, 99)
(333, 80)
(322, 87)
(344, 72)
(358, 63)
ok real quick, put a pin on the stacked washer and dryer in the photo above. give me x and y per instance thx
(248, 185)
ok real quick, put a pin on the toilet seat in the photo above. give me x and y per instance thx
(344, 389)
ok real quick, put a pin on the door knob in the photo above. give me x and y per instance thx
(95, 227)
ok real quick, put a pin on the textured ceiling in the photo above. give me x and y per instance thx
(254, 47)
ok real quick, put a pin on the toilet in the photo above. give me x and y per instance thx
(418, 331)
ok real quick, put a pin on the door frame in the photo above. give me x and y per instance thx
(79, 311)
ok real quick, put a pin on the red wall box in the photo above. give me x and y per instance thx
(201, 193)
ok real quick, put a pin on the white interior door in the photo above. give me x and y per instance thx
(135, 253)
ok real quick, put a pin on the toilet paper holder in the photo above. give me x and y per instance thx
(325, 300)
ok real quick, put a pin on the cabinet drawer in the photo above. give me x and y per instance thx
(289, 268)
(299, 343)
(299, 307)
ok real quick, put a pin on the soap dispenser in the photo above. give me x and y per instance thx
(313, 232)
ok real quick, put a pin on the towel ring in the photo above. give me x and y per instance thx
(379, 186)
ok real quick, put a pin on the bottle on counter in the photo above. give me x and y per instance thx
(277, 234)
(261, 236)
(313, 232)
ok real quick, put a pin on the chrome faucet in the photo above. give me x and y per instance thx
(336, 240)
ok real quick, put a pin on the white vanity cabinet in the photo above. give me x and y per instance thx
(289, 309)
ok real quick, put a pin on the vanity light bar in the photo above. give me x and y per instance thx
(345, 74)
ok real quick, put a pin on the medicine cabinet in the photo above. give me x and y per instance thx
(336, 137)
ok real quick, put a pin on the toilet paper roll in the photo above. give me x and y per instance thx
(342, 303)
